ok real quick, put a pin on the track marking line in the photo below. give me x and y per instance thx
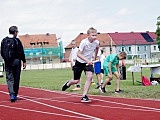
(136, 106)
(66, 93)
(73, 112)
(77, 95)
(63, 92)
(84, 115)
(30, 97)
(118, 103)
(43, 112)
(102, 106)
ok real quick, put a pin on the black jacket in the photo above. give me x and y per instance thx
(19, 50)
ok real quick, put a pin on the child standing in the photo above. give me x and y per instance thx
(109, 69)
(102, 59)
(73, 58)
(86, 49)
(100, 75)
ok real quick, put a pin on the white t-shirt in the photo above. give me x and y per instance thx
(87, 48)
(74, 52)
(102, 59)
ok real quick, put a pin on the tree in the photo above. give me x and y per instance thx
(158, 32)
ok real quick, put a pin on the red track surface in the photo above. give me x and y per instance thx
(38, 104)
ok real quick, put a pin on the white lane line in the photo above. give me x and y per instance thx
(136, 106)
(63, 92)
(94, 105)
(118, 103)
(37, 98)
(77, 95)
(73, 112)
(43, 112)
(71, 94)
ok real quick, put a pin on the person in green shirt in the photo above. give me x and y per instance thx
(109, 69)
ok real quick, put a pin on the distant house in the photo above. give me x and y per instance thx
(41, 47)
(47, 40)
(137, 44)
(106, 43)
(154, 47)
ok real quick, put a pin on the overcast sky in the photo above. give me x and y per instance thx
(68, 18)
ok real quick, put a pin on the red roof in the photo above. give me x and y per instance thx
(153, 35)
(130, 38)
(48, 40)
(103, 38)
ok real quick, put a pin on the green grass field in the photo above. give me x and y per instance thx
(54, 79)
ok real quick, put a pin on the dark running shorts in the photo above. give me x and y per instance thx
(102, 71)
(79, 67)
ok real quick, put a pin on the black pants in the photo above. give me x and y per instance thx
(13, 71)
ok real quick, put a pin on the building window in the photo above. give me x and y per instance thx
(154, 47)
(138, 48)
(129, 48)
(32, 44)
(145, 56)
(145, 48)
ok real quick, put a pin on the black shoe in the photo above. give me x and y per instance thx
(109, 83)
(64, 87)
(12, 98)
(119, 91)
(85, 99)
(98, 86)
(78, 86)
(102, 89)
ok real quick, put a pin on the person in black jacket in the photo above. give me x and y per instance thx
(13, 66)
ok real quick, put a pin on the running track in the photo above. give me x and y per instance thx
(40, 104)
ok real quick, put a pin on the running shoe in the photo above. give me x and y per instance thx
(85, 99)
(76, 88)
(12, 98)
(119, 91)
(64, 87)
(102, 89)
(98, 86)
(109, 83)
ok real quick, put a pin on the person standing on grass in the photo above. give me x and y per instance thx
(100, 75)
(86, 49)
(73, 58)
(102, 59)
(12, 52)
(109, 69)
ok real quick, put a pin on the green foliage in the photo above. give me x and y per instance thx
(158, 23)
(158, 32)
